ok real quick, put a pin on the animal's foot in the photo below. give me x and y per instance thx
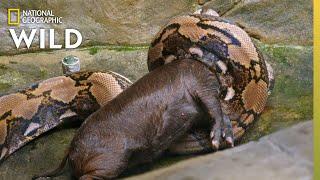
(222, 132)
(215, 136)
(227, 132)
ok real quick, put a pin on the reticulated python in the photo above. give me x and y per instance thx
(223, 46)
(30, 112)
(229, 52)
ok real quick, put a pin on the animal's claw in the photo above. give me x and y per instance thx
(222, 132)
(227, 130)
(216, 135)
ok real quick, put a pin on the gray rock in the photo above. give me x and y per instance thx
(271, 21)
(286, 154)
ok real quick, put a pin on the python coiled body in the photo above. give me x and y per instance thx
(228, 51)
(30, 112)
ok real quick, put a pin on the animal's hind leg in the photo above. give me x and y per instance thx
(195, 142)
(90, 177)
(96, 175)
(106, 166)
(198, 141)
(209, 97)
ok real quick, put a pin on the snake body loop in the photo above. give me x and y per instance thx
(30, 112)
(228, 51)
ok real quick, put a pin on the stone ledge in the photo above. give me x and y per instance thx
(286, 154)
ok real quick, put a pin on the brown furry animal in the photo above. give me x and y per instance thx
(143, 121)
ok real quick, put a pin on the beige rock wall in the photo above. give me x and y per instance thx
(101, 22)
(137, 21)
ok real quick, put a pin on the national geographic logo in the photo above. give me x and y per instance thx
(32, 16)
(14, 17)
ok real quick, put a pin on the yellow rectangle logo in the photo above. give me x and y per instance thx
(14, 17)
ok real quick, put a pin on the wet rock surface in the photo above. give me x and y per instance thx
(286, 154)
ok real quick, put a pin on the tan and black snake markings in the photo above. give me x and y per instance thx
(228, 51)
(244, 78)
(144, 120)
(30, 112)
(202, 68)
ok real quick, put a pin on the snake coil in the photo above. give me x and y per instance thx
(228, 51)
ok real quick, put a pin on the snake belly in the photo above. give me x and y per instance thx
(28, 113)
(229, 52)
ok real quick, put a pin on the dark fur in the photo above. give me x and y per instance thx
(143, 121)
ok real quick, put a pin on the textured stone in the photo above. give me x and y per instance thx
(271, 21)
(100, 22)
(277, 156)
(21, 70)
(222, 6)
(137, 21)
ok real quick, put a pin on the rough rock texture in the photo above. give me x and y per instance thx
(38, 157)
(286, 154)
(137, 21)
(100, 22)
(271, 21)
(222, 6)
(24, 69)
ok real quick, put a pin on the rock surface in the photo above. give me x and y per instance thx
(100, 22)
(271, 21)
(137, 21)
(24, 69)
(286, 154)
